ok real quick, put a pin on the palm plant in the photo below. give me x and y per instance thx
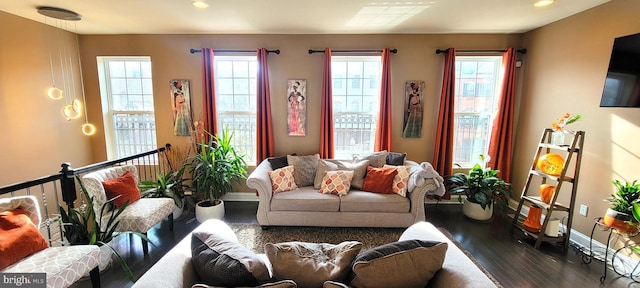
(480, 186)
(83, 227)
(626, 195)
(215, 167)
(169, 185)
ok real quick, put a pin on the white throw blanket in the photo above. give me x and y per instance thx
(418, 177)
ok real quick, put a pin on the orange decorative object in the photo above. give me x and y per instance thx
(532, 223)
(546, 192)
(551, 164)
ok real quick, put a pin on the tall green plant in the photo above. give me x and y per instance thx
(169, 185)
(215, 167)
(83, 227)
(625, 196)
(481, 186)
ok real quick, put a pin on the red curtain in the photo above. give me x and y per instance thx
(501, 143)
(326, 110)
(443, 150)
(264, 133)
(383, 126)
(209, 92)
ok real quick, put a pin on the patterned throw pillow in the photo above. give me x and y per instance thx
(336, 182)
(282, 179)
(305, 168)
(401, 180)
(323, 166)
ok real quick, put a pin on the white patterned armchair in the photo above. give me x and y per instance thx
(62, 265)
(139, 216)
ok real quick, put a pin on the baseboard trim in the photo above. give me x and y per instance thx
(240, 196)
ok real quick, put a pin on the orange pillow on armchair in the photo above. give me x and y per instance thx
(379, 180)
(122, 189)
(19, 237)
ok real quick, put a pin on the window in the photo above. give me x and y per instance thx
(355, 106)
(127, 104)
(236, 101)
(475, 106)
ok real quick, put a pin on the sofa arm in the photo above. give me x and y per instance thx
(259, 179)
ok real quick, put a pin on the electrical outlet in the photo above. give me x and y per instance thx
(584, 209)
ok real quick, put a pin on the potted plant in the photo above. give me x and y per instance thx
(482, 188)
(620, 214)
(213, 168)
(82, 227)
(169, 185)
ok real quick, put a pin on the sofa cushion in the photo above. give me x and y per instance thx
(396, 159)
(379, 180)
(122, 189)
(311, 264)
(360, 201)
(19, 237)
(223, 262)
(279, 284)
(401, 181)
(304, 168)
(336, 182)
(376, 159)
(359, 170)
(279, 162)
(305, 199)
(416, 260)
(282, 179)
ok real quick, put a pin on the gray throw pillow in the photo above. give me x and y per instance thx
(304, 168)
(376, 159)
(416, 260)
(311, 264)
(323, 166)
(219, 261)
(396, 159)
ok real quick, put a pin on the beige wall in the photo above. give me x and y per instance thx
(565, 71)
(36, 139)
(170, 57)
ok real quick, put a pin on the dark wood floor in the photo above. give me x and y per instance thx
(510, 257)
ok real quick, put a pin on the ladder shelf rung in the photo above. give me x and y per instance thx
(536, 200)
(564, 147)
(551, 177)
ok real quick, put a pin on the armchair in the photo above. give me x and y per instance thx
(62, 265)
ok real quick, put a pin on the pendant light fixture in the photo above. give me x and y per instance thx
(74, 107)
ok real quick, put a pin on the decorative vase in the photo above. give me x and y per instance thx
(177, 212)
(557, 138)
(546, 192)
(475, 211)
(619, 221)
(206, 211)
(532, 223)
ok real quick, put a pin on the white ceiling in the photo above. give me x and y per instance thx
(301, 16)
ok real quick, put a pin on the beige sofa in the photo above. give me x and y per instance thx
(306, 207)
(175, 269)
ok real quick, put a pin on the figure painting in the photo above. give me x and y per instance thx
(297, 107)
(412, 125)
(181, 106)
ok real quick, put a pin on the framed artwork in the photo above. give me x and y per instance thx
(412, 124)
(181, 107)
(297, 107)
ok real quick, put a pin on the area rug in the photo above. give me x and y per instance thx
(254, 238)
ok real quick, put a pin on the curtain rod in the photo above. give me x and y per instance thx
(440, 51)
(193, 51)
(393, 51)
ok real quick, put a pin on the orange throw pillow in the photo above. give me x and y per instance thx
(19, 237)
(123, 186)
(379, 180)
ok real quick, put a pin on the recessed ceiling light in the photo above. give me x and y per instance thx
(542, 3)
(200, 4)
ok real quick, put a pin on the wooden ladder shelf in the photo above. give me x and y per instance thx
(573, 156)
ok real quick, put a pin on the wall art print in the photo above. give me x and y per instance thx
(297, 107)
(412, 124)
(181, 106)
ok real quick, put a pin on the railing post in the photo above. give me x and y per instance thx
(68, 184)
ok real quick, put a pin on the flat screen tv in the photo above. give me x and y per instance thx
(622, 86)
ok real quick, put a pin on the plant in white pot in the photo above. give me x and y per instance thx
(482, 188)
(213, 169)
